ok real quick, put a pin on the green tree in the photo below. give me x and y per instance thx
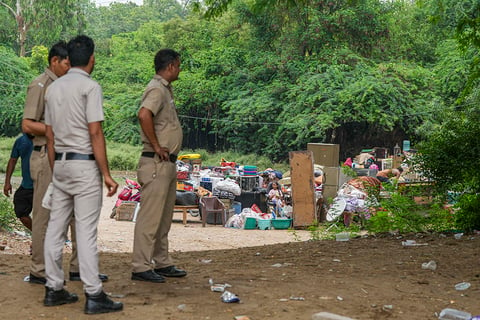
(449, 154)
(107, 21)
(42, 20)
(39, 59)
(16, 75)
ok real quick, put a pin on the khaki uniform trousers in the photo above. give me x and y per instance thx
(78, 192)
(42, 176)
(150, 244)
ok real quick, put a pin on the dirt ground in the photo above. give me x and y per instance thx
(276, 274)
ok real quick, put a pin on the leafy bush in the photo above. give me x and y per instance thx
(401, 213)
(8, 220)
(123, 157)
(467, 217)
(16, 75)
(449, 156)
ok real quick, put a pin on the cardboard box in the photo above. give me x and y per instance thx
(325, 154)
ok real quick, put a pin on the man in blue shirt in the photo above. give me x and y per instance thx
(23, 197)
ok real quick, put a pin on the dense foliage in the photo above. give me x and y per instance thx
(355, 73)
(267, 77)
(16, 74)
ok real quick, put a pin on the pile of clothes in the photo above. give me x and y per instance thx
(356, 197)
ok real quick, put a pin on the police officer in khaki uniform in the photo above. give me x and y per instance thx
(77, 156)
(33, 124)
(157, 173)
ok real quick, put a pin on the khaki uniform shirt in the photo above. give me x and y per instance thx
(72, 102)
(158, 98)
(35, 103)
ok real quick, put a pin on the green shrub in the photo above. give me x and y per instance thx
(123, 157)
(401, 213)
(8, 220)
(467, 217)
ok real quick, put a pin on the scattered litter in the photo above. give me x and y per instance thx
(458, 235)
(329, 316)
(431, 265)
(337, 260)
(229, 297)
(277, 265)
(342, 236)
(242, 318)
(21, 233)
(283, 300)
(339, 298)
(182, 307)
(448, 313)
(205, 260)
(297, 298)
(462, 286)
(26, 279)
(387, 307)
(218, 287)
(412, 243)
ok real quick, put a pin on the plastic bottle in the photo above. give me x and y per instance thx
(453, 314)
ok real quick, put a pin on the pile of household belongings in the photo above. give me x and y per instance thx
(227, 189)
(238, 220)
(355, 197)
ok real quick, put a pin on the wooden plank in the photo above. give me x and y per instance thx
(184, 210)
(303, 191)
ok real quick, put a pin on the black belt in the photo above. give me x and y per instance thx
(74, 156)
(150, 154)
(38, 148)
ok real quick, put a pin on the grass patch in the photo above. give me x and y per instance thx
(8, 220)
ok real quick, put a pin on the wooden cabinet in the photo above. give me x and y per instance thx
(303, 193)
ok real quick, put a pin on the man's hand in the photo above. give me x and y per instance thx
(7, 189)
(163, 154)
(111, 186)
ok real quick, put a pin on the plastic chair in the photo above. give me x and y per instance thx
(209, 205)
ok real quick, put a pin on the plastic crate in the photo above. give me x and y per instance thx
(250, 223)
(281, 223)
(125, 211)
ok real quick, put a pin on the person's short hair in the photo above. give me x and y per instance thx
(400, 169)
(164, 57)
(318, 173)
(59, 49)
(80, 49)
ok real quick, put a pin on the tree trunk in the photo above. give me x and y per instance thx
(22, 35)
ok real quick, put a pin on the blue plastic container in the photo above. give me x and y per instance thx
(264, 224)
(237, 206)
(281, 223)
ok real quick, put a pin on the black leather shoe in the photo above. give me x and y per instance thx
(148, 275)
(37, 280)
(59, 297)
(100, 303)
(75, 276)
(171, 271)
